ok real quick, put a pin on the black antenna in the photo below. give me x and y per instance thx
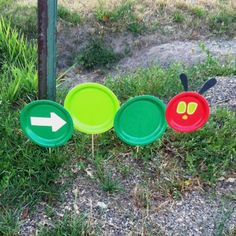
(184, 81)
(209, 84)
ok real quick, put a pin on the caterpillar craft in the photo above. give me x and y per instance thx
(142, 119)
(93, 108)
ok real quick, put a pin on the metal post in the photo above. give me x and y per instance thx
(47, 19)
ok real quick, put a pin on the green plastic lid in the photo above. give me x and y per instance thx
(141, 120)
(46, 123)
(92, 107)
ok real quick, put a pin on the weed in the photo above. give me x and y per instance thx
(115, 15)
(198, 11)
(178, 17)
(50, 212)
(121, 16)
(136, 27)
(68, 16)
(125, 170)
(17, 65)
(24, 80)
(69, 225)
(107, 182)
(96, 53)
(24, 19)
(9, 225)
(223, 22)
(141, 197)
(15, 51)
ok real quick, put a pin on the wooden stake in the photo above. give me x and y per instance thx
(93, 153)
(137, 149)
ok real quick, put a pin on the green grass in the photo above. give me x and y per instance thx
(223, 22)
(178, 17)
(129, 16)
(198, 12)
(96, 54)
(15, 51)
(28, 173)
(24, 19)
(69, 16)
(120, 17)
(211, 151)
(69, 225)
(107, 182)
(17, 64)
(118, 13)
(9, 224)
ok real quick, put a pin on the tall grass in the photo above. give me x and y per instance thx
(15, 50)
(17, 63)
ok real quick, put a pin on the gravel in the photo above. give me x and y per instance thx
(186, 52)
(223, 94)
(199, 214)
(203, 213)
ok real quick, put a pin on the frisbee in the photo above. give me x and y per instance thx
(187, 112)
(141, 120)
(92, 107)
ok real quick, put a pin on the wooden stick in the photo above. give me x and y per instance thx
(93, 153)
(137, 149)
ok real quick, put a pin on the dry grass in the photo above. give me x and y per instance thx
(149, 6)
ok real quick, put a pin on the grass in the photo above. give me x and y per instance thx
(211, 151)
(107, 182)
(17, 64)
(96, 54)
(9, 225)
(207, 17)
(24, 17)
(223, 22)
(28, 173)
(68, 16)
(120, 16)
(198, 11)
(139, 17)
(178, 17)
(69, 225)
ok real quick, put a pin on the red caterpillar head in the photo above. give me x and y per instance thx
(189, 111)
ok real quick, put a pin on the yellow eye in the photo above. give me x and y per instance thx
(192, 107)
(181, 108)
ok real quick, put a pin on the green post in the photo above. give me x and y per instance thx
(47, 21)
(52, 40)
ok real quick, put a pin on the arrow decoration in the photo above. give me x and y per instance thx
(54, 121)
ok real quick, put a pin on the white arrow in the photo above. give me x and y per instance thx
(54, 121)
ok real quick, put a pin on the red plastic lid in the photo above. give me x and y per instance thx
(187, 112)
